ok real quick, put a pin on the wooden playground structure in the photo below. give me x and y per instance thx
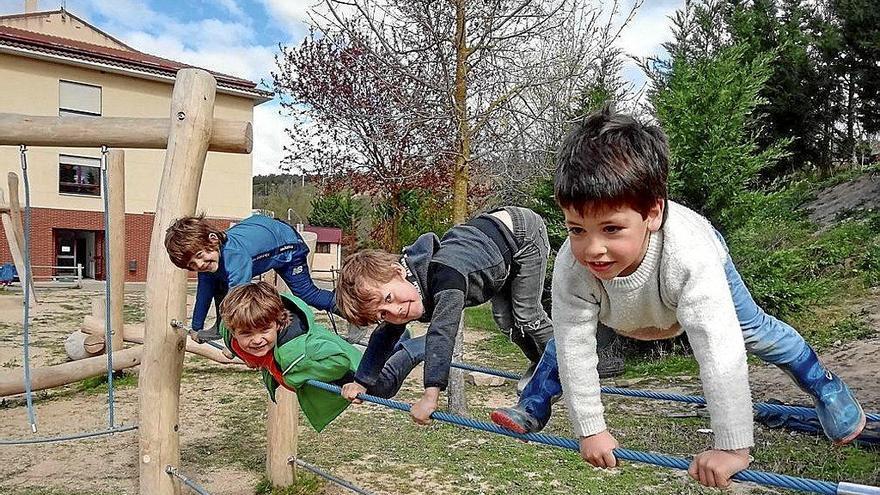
(188, 135)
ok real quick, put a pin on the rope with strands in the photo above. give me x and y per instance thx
(108, 332)
(172, 471)
(327, 476)
(27, 289)
(648, 394)
(760, 477)
(78, 436)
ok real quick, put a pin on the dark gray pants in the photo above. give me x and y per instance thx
(517, 309)
(408, 353)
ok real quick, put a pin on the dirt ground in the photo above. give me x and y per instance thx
(108, 464)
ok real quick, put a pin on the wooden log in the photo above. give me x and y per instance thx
(192, 110)
(282, 431)
(15, 249)
(115, 132)
(12, 380)
(80, 345)
(116, 241)
(18, 233)
(134, 333)
(282, 428)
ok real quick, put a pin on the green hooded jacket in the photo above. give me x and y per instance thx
(318, 354)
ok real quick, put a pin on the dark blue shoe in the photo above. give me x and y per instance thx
(533, 411)
(839, 413)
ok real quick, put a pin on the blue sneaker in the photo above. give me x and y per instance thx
(839, 413)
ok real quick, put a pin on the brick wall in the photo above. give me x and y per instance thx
(45, 221)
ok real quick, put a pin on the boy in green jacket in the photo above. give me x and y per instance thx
(278, 334)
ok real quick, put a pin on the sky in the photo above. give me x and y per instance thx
(241, 37)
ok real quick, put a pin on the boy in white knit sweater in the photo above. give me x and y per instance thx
(652, 269)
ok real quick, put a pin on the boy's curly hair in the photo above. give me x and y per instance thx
(610, 160)
(361, 272)
(253, 306)
(189, 235)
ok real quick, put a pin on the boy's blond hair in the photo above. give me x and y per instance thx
(253, 306)
(189, 235)
(356, 294)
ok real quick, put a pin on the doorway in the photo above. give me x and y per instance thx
(72, 248)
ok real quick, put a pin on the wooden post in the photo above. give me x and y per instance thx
(116, 213)
(192, 109)
(114, 132)
(11, 239)
(18, 232)
(282, 428)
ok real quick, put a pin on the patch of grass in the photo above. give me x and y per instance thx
(98, 384)
(305, 484)
(133, 310)
(670, 365)
(480, 317)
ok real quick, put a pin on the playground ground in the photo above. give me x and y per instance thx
(222, 426)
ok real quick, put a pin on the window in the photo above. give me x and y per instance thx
(322, 247)
(78, 99)
(79, 175)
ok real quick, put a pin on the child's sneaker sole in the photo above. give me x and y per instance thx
(855, 434)
(504, 421)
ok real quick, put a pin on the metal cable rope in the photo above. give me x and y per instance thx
(648, 394)
(108, 332)
(171, 470)
(27, 289)
(761, 477)
(339, 481)
(77, 436)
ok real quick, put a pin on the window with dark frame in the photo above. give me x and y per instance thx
(79, 175)
(322, 247)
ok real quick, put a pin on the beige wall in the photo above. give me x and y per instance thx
(326, 261)
(63, 26)
(29, 86)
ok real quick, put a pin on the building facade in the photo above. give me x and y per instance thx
(56, 64)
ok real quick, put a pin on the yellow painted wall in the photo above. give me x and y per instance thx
(63, 26)
(30, 86)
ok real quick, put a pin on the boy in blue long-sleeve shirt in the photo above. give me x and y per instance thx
(226, 259)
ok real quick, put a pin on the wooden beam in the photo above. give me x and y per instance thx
(116, 242)
(134, 333)
(192, 110)
(18, 231)
(116, 132)
(12, 380)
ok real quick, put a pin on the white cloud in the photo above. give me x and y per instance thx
(269, 138)
(290, 11)
(649, 29)
(230, 5)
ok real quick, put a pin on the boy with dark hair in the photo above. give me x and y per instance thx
(499, 256)
(652, 269)
(278, 334)
(225, 259)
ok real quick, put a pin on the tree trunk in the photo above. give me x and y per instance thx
(456, 398)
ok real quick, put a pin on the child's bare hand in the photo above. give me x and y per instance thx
(715, 467)
(598, 449)
(421, 411)
(351, 390)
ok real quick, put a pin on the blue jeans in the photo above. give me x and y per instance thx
(765, 336)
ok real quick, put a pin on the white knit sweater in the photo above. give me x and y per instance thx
(680, 285)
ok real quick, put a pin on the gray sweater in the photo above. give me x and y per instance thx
(466, 268)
